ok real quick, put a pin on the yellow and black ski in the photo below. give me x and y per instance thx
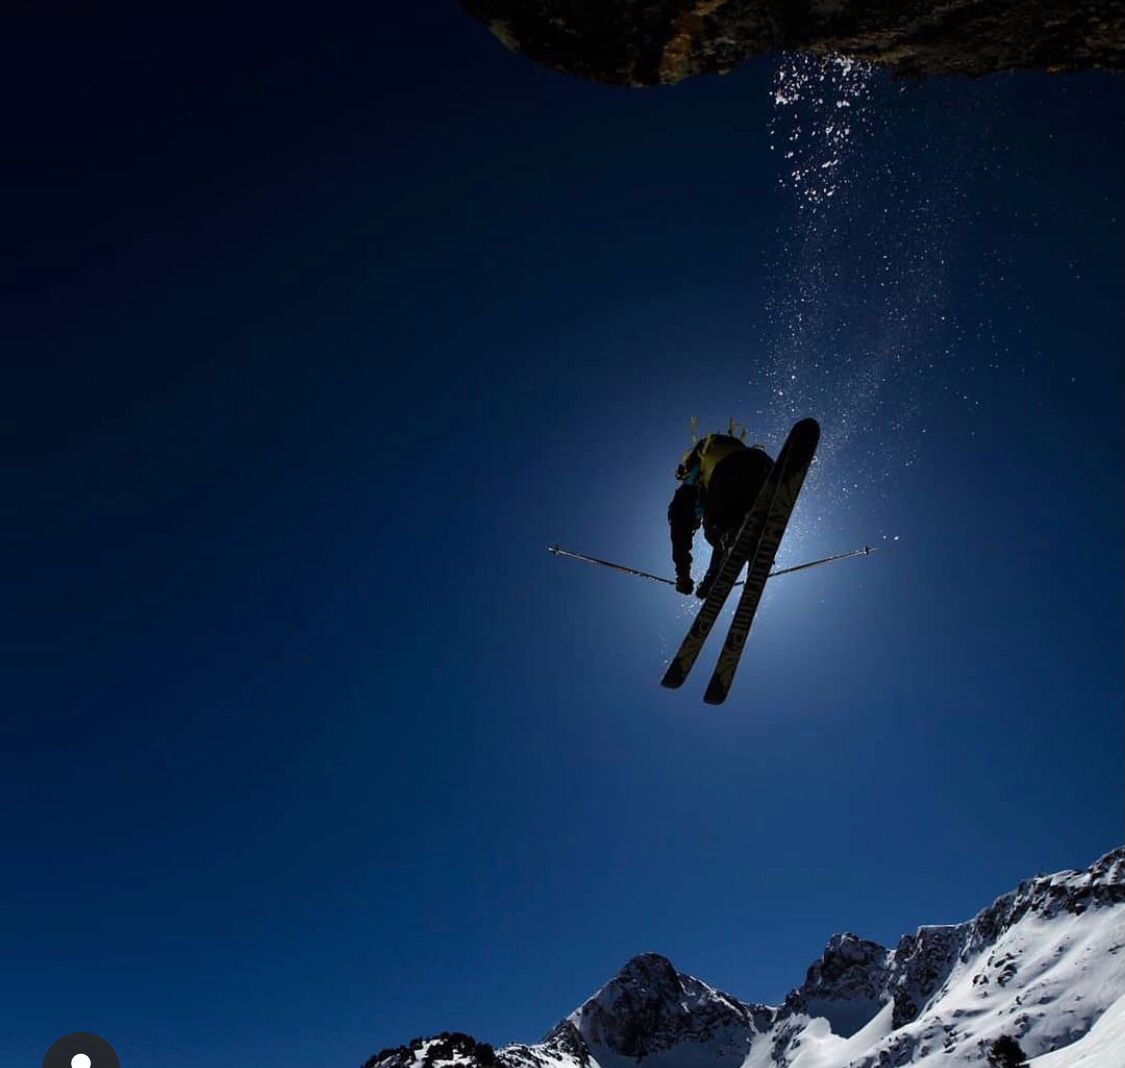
(802, 442)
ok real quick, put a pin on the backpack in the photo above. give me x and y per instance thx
(700, 461)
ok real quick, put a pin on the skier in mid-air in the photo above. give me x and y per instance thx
(721, 476)
(743, 499)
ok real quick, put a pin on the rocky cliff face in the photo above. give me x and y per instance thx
(1041, 964)
(649, 1008)
(659, 42)
(847, 986)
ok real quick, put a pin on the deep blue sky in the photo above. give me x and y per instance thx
(318, 328)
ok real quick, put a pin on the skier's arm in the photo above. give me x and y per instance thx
(683, 523)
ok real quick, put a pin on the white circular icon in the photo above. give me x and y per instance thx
(80, 1060)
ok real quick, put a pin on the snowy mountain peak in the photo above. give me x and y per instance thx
(450, 1049)
(847, 986)
(848, 963)
(1109, 870)
(650, 1008)
(647, 972)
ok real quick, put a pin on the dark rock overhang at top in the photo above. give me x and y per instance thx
(660, 42)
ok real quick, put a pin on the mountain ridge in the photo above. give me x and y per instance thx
(1040, 964)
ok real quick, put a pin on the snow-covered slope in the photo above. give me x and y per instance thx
(1103, 1044)
(1044, 965)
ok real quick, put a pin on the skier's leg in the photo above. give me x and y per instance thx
(718, 553)
(734, 489)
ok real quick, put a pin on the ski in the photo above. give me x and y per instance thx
(804, 438)
(744, 548)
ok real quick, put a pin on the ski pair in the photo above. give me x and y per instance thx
(756, 546)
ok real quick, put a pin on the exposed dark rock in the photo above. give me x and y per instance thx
(450, 1047)
(922, 962)
(847, 985)
(1100, 885)
(660, 42)
(649, 1007)
(561, 1044)
(849, 967)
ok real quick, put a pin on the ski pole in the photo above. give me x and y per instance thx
(865, 550)
(555, 550)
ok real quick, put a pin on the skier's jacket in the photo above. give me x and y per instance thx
(720, 479)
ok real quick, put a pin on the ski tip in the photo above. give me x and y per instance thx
(809, 426)
(553, 550)
(718, 687)
(673, 678)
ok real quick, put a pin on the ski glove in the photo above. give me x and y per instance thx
(684, 584)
